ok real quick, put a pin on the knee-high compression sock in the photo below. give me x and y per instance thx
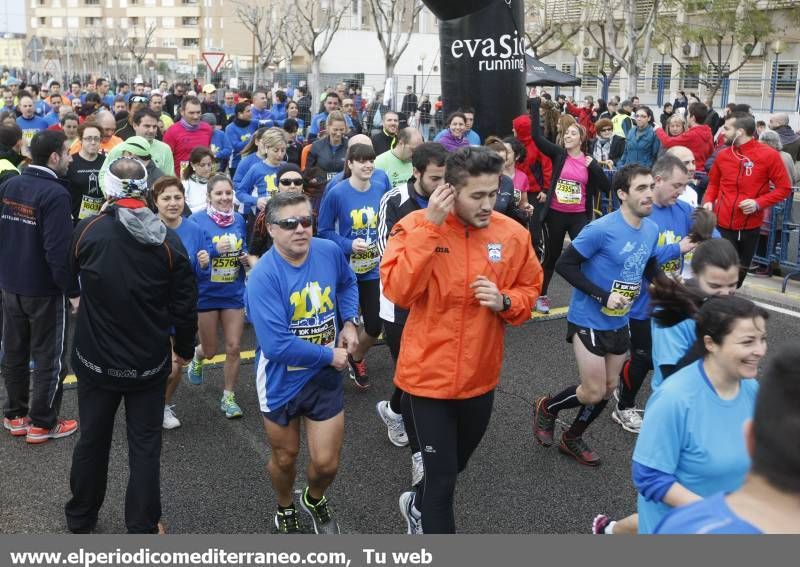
(586, 415)
(394, 401)
(567, 398)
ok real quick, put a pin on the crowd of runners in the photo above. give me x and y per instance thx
(158, 217)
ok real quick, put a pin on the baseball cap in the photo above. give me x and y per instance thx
(209, 88)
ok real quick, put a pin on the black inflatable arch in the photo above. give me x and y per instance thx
(482, 60)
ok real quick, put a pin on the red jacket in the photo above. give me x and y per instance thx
(698, 139)
(729, 184)
(584, 116)
(522, 127)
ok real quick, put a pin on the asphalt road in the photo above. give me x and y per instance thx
(213, 469)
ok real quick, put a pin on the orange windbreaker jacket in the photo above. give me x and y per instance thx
(452, 347)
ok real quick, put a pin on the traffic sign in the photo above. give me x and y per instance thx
(213, 59)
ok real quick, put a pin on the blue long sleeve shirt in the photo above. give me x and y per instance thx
(238, 137)
(294, 313)
(259, 181)
(346, 214)
(221, 148)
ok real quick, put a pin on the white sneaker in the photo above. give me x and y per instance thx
(417, 468)
(170, 421)
(394, 424)
(413, 523)
(543, 305)
(629, 419)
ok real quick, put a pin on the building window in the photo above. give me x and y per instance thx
(34, 22)
(661, 71)
(42, 21)
(589, 78)
(109, 22)
(134, 21)
(189, 21)
(92, 2)
(191, 42)
(749, 78)
(92, 21)
(690, 76)
(168, 42)
(168, 22)
(786, 80)
(56, 22)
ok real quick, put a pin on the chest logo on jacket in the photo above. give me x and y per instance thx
(495, 252)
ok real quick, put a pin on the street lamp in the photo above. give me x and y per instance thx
(777, 47)
(662, 49)
(575, 50)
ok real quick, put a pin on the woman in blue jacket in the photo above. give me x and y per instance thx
(641, 145)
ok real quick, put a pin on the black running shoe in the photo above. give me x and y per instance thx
(286, 521)
(321, 516)
(544, 423)
(577, 448)
(358, 372)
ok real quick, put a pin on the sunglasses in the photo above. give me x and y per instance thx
(287, 182)
(292, 222)
(139, 98)
(606, 129)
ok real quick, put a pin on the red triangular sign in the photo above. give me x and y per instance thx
(213, 59)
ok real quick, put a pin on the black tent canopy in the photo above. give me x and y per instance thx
(538, 74)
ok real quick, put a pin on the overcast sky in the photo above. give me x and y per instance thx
(12, 16)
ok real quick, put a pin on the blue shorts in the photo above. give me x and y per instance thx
(321, 398)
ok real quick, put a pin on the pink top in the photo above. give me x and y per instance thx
(521, 185)
(570, 189)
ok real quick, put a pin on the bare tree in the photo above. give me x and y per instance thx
(718, 26)
(115, 48)
(316, 22)
(291, 43)
(139, 42)
(265, 21)
(615, 23)
(394, 23)
(551, 24)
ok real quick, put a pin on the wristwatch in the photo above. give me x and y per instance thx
(506, 303)
(355, 321)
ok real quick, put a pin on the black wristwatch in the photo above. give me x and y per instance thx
(506, 303)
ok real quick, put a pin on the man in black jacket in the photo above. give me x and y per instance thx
(35, 227)
(428, 174)
(137, 289)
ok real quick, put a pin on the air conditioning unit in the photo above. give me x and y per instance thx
(691, 50)
(590, 52)
(756, 50)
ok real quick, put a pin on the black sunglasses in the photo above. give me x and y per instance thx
(287, 182)
(292, 222)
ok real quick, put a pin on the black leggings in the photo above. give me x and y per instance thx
(448, 431)
(638, 365)
(556, 226)
(392, 334)
(369, 299)
(745, 242)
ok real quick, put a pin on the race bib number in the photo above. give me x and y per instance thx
(626, 289)
(672, 268)
(363, 262)
(90, 207)
(318, 332)
(225, 268)
(568, 192)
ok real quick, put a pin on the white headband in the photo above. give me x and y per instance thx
(117, 188)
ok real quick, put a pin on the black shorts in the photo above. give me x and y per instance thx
(601, 343)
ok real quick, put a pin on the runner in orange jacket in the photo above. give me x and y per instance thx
(465, 272)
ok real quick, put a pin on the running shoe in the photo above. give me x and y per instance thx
(600, 523)
(170, 420)
(358, 373)
(413, 524)
(394, 424)
(229, 407)
(64, 428)
(417, 468)
(324, 522)
(543, 423)
(577, 448)
(543, 305)
(629, 419)
(194, 372)
(18, 426)
(286, 521)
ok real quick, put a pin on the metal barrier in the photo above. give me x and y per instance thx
(783, 239)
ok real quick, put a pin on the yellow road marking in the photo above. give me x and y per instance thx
(249, 354)
(773, 291)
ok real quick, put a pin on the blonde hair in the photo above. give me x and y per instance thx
(274, 137)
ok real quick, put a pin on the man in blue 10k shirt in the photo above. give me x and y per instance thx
(296, 296)
(769, 500)
(605, 264)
